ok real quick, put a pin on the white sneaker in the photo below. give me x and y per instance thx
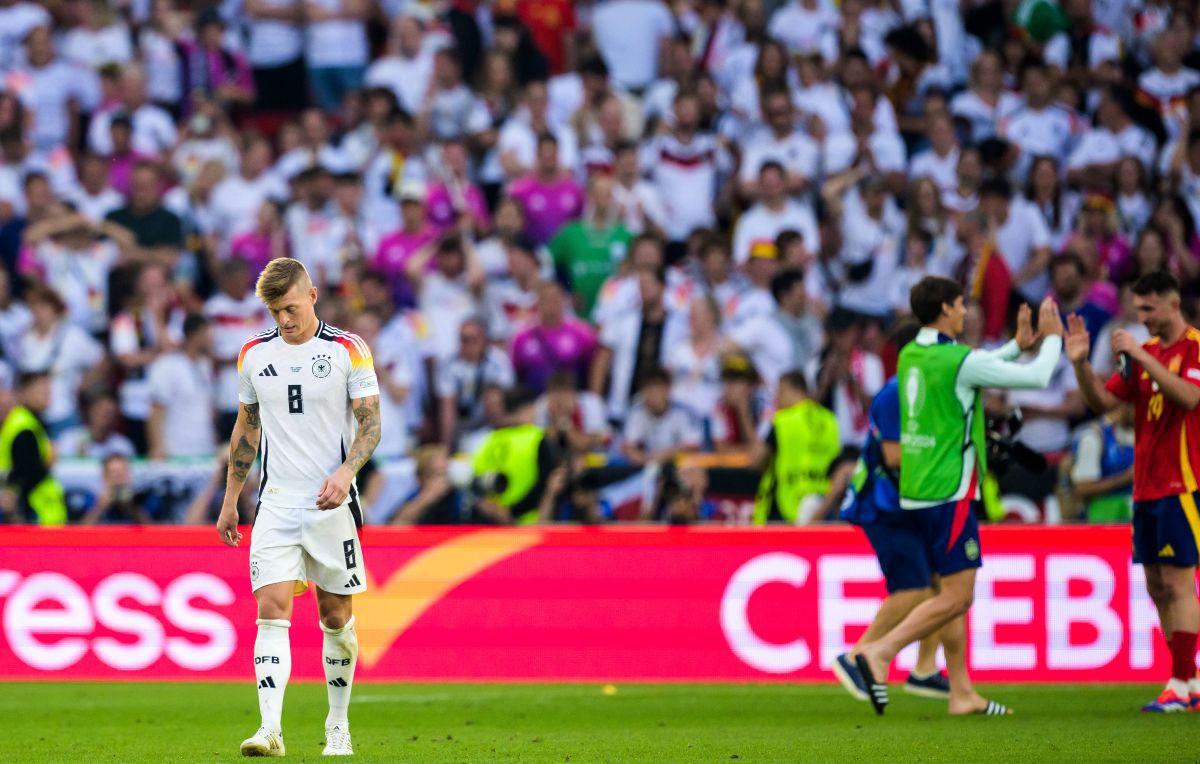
(265, 742)
(337, 741)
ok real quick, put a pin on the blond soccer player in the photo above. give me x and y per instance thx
(309, 403)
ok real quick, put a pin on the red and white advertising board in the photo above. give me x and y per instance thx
(594, 604)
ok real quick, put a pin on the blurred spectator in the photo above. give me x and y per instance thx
(118, 502)
(182, 390)
(451, 290)
(397, 248)
(549, 195)
(435, 500)
(641, 207)
(1019, 234)
(1102, 467)
(237, 199)
(575, 419)
(587, 251)
(210, 70)
(74, 256)
(336, 48)
(146, 326)
(656, 432)
(153, 130)
(56, 92)
(553, 342)
(785, 339)
(738, 413)
(408, 67)
(684, 163)
(630, 34)
(234, 313)
(462, 378)
(275, 50)
(775, 212)
(694, 365)
(634, 344)
(157, 231)
(73, 361)
(95, 197)
(513, 298)
(846, 377)
(97, 438)
(1125, 320)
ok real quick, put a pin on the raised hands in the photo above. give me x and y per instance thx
(1049, 319)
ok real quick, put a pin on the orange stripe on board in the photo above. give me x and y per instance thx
(385, 610)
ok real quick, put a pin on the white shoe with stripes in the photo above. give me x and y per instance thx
(265, 742)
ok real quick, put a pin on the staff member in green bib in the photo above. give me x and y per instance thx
(26, 456)
(518, 472)
(796, 455)
(942, 458)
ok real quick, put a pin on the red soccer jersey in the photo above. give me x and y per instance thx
(1166, 454)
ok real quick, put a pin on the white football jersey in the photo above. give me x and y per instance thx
(304, 394)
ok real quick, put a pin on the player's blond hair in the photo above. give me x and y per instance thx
(280, 275)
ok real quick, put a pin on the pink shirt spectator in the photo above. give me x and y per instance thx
(540, 351)
(547, 205)
(254, 249)
(120, 167)
(440, 206)
(395, 249)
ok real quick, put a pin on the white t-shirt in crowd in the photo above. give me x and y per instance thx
(942, 169)
(95, 48)
(798, 154)
(984, 117)
(96, 208)
(1041, 433)
(652, 432)
(628, 33)
(887, 149)
(68, 353)
(866, 240)
(153, 131)
(686, 176)
(408, 78)
(451, 302)
(80, 276)
(273, 42)
(46, 91)
(1024, 231)
(185, 389)
(342, 42)
(695, 379)
(160, 59)
(852, 416)
(17, 21)
(396, 361)
(232, 322)
(762, 224)
(236, 200)
(803, 30)
(1101, 146)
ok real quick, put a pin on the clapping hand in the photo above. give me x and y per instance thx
(1049, 319)
(1076, 342)
(1025, 336)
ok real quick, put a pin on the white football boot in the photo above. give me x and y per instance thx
(337, 741)
(265, 742)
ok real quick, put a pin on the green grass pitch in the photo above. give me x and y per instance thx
(152, 722)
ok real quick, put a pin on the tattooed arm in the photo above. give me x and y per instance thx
(337, 486)
(243, 447)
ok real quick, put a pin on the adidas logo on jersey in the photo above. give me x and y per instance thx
(353, 582)
(269, 371)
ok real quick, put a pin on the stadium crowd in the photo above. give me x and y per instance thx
(636, 216)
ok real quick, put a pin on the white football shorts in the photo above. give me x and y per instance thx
(302, 545)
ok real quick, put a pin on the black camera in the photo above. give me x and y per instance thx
(489, 484)
(1003, 450)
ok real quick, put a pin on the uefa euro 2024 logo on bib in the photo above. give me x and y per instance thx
(914, 395)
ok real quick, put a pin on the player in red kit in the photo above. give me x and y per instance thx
(1162, 380)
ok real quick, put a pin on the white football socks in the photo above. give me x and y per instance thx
(272, 668)
(339, 656)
